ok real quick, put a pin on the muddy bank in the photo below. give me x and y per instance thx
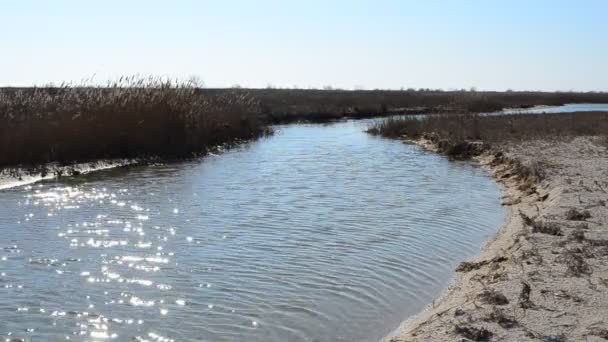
(544, 277)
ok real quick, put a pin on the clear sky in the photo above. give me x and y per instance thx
(489, 44)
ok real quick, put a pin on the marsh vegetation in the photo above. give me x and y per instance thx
(289, 105)
(130, 118)
(463, 136)
(148, 117)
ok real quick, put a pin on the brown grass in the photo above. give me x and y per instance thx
(131, 118)
(496, 128)
(461, 135)
(151, 117)
(289, 105)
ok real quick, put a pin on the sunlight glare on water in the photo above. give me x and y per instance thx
(319, 233)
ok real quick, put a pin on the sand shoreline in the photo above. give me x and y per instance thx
(13, 177)
(544, 276)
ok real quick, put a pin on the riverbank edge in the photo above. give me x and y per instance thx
(14, 176)
(522, 194)
(407, 329)
(20, 176)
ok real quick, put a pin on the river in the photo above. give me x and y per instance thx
(318, 233)
(567, 108)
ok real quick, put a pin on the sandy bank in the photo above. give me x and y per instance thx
(20, 176)
(544, 277)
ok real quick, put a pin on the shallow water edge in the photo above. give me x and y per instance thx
(319, 232)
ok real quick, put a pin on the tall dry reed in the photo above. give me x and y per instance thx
(133, 117)
(496, 128)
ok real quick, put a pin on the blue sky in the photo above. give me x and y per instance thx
(514, 44)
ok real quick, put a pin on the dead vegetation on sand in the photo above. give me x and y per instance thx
(544, 277)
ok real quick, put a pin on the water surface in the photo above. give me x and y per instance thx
(567, 108)
(319, 233)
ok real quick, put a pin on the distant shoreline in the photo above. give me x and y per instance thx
(155, 117)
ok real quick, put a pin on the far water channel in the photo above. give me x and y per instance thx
(318, 233)
(567, 108)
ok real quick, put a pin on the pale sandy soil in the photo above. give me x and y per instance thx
(15, 177)
(544, 277)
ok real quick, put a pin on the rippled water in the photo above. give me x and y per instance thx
(319, 233)
(567, 108)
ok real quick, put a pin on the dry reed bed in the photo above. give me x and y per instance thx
(289, 105)
(465, 136)
(130, 118)
(544, 277)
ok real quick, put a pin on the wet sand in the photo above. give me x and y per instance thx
(544, 277)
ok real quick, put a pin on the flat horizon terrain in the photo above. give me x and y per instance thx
(327, 171)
